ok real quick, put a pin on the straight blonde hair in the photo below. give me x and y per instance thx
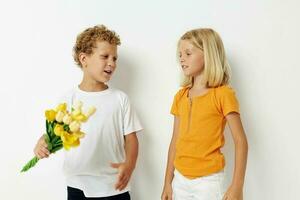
(216, 68)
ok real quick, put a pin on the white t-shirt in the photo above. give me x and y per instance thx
(87, 167)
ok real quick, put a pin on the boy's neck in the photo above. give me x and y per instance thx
(92, 86)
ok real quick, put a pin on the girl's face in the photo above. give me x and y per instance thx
(100, 65)
(191, 58)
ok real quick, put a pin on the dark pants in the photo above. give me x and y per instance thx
(76, 194)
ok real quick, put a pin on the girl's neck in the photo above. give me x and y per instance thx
(92, 86)
(198, 83)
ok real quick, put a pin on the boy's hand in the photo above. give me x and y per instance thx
(233, 193)
(40, 149)
(125, 171)
(167, 192)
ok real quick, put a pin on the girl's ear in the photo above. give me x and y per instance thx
(82, 59)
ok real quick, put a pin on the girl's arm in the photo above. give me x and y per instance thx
(235, 190)
(170, 166)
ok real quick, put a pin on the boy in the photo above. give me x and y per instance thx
(101, 167)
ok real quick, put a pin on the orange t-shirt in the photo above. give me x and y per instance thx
(202, 123)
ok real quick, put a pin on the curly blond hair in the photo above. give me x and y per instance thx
(86, 41)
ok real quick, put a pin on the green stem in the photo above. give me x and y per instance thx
(30, 164)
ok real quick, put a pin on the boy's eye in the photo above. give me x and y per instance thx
(188, 54)
(115, 59)
(104, 56)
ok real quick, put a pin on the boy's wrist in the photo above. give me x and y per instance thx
(130, 164)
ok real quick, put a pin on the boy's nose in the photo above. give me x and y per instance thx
(111, 63)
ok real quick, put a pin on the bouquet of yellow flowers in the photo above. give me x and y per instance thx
(63, 128)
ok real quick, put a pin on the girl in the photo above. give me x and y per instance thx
(201, 109)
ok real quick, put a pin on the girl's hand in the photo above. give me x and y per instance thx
(125, 171)
(41, 148)
(167, 192)
(233, 193)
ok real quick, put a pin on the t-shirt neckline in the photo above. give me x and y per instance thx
(94, 93)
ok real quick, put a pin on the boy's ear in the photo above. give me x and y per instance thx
(82, 59)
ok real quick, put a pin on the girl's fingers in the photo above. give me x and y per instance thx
(167, 197)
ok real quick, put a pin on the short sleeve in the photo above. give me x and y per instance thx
(175, 105)
(131, 122)
(228, 101)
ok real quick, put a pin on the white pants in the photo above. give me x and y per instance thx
(203, 188)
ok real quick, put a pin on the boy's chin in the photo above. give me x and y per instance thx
(104, 80)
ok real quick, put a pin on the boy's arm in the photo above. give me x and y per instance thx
(241, 151)
(126, 168)
(131, 149)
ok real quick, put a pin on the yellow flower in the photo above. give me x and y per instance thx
(67, 119)
(58, 130)
(79, 134)
(79, 118)
(61, 107)
(77, 105)
(90, 111)
(59, 116)
(76, 112)
(69, 140)
(50, 115)
(74, 126)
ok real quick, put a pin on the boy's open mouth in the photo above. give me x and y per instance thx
(108, 72)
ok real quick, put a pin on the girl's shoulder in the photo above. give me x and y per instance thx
(224, 90)
(181, 92)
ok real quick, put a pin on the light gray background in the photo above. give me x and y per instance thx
(262, 43)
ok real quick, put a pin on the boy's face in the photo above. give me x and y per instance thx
(100, 65)
(191, 58)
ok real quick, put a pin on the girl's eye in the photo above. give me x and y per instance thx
(188, 54)
(115, 59)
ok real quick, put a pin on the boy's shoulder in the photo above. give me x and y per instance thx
(65, 95)
(118, 93)
(114, 93)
